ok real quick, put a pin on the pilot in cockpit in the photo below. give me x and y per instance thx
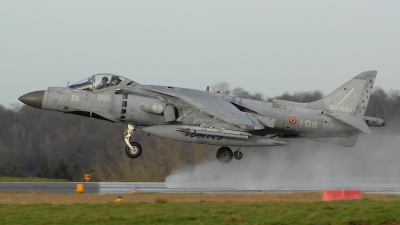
(103, 83)
(115, 81)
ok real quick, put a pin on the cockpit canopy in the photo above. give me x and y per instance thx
(98, 81)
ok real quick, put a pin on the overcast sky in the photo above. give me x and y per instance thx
(262, 46)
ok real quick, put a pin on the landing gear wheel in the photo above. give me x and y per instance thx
(224, 155)
(238, 155)
(135, 152)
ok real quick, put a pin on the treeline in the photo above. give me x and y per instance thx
(61, 170)
(55, 145)
(33, 139)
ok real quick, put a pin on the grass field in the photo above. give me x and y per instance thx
(156, 208)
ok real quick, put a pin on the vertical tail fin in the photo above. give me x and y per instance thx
(352, 97)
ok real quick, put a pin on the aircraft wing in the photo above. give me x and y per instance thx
(352, 121)
(211, 105)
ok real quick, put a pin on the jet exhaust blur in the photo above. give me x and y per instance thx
(301, 165)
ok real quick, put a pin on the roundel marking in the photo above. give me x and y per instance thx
(292, 120)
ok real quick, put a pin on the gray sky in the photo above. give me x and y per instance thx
(262, 46)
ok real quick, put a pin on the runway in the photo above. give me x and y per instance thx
(51, 187)
(160, 187)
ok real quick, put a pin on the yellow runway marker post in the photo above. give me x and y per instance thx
(80, 188)
(119, 199)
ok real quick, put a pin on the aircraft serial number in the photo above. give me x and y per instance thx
(75, 98)
(309, 123)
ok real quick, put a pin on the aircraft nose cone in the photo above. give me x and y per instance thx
(33, 99)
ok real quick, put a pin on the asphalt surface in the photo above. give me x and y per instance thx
(160, 187)
(52, 187)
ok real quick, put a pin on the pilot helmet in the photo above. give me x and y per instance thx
(104, 79)
(114, 80)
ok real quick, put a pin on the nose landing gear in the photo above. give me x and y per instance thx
(132, 149)
(135, 151)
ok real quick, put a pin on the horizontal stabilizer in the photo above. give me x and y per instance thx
(352, 121)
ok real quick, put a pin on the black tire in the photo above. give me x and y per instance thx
(238, 155)
(224, 155)
(137, 150)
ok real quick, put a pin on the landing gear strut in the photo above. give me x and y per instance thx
(132, 149)
(224, 155)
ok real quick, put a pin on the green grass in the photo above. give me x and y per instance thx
(363, 212)
(29, 179)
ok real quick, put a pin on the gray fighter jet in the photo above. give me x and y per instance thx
(204, 117)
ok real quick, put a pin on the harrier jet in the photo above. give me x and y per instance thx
(220, 119)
